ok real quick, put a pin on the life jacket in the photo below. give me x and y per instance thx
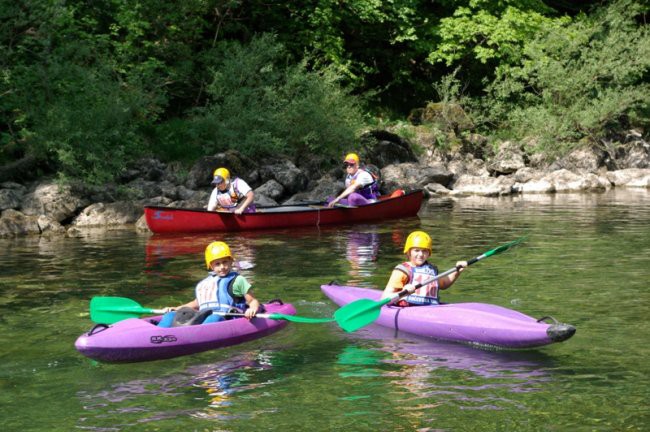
(215, 293)
(370, 191)
(426, 294)
(229, 198)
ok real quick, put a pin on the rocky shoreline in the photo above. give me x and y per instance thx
(47, 208)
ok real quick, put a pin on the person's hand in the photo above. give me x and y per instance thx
(168, 309)
(333, 203)
(410, 288)
(239, 211)
(461, 265)
(250, 312)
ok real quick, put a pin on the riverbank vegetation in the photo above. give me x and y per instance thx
(88, 87)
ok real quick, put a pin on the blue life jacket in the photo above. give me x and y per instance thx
(215, 293)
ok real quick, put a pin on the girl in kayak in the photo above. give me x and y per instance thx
(235, 196)
(360, 187)
(418, 270)
(222, 291)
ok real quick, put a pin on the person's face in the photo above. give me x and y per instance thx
(221, 266)
(418, 256)
(350, 167)
(222, 186)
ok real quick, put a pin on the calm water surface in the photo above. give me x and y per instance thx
(586, 262)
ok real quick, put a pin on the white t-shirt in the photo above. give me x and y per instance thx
(228, 199)
(362, 177)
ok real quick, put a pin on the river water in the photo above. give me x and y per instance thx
(586, 262)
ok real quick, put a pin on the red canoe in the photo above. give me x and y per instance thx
(171, 219)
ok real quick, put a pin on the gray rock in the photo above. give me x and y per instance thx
(117, 213)
(271, 189)
(58, 202)
(14, 223)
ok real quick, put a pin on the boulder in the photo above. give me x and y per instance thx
(58, 202)
(414, 176)
(117, 213)
(509, 159)
(271, 189)
(484, 186)
(14, 223)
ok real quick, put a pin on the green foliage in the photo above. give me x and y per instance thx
(488, 31)
(577, 81)
(260, 105)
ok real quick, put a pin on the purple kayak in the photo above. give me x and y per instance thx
(139, 339)
(473, 323)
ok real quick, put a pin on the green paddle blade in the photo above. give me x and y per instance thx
(109, 310)
(504, 247)
(299, 319)
(359, 313)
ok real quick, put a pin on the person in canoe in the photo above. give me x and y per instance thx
(417, 270)
(224, 290)
(233, 195)
(361, 187)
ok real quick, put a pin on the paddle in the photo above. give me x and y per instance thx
(109, 310)
(362, 312)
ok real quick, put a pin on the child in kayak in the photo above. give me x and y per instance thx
(360, 187)
(222, 291)
(417, 270)
(230, 195)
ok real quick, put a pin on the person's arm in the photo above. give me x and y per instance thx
(212, 202)
(253, 305)
(395, 284)
(348, 190)
(250, 196)
(449, 280)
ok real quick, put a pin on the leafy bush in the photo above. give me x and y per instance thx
(261, 105)
(576, 81)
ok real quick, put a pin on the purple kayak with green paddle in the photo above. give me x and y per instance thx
(472, 323)
(140, 339)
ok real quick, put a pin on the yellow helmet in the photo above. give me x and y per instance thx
(418, 239)
(216, 250)
(220, 175)
(351, 158)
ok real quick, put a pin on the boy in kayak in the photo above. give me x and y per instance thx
(222, 291)
(235, 196)
(360, 187)
(417, 270)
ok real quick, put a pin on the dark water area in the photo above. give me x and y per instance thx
(586, 262)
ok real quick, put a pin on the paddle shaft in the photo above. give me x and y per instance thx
(405, 292)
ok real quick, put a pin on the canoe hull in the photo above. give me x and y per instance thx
(473, 323)
(171, 219)
(138, 339)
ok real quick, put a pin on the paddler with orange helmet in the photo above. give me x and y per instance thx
(417, 270)
(224, 290)
(360, 187)
(233, 195)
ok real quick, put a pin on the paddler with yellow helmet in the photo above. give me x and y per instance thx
(224, 290)
(360, 186)
(417, 270)
(233, 195)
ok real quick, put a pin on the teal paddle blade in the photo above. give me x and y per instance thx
(360, 313)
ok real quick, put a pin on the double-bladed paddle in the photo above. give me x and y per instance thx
(360, 313)
(109, 310)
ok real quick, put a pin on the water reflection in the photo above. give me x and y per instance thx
(431, 373)
(361, 249)
(218, 384)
